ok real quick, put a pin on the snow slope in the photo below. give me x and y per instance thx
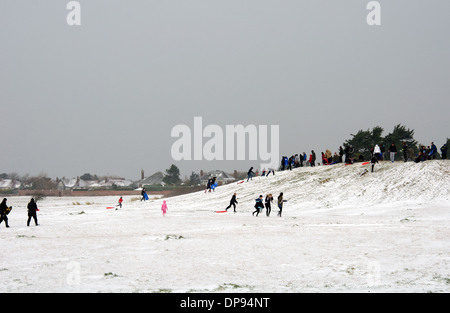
(385, 231)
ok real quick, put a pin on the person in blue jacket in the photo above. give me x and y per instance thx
(259, 205)
(433, 151)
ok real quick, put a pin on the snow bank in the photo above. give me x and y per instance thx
(341, 185)
(385, 231)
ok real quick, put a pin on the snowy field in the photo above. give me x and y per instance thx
(386, 231)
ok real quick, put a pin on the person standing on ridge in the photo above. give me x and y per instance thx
(433, 151)
(377, 152)
(393, 152)
(444, 152)
(405, 151)
(250, 173)
(312, 158)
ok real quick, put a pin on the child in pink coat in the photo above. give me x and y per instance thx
(164, 208)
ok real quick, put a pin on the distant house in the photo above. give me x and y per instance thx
(221, 177)
(110, 183)
(72, 183)
(155, 179)
(79, 184)
(9, 184)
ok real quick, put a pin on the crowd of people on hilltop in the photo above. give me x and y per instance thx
(380, 152)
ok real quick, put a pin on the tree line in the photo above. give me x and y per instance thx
(364, 140)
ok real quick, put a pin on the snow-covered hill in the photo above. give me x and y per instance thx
(339, 185)
(340, 232)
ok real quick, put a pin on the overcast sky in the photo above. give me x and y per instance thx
(102, 97)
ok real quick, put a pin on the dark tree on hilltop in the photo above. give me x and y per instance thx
(400, 134)
(364, 140)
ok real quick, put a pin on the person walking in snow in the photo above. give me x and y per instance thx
(4, 212)
(373, 160)
(120, 202)
(164, 208)
(208, 185)
(258, 205)
(233, 203)
(143, 192)
(32, 208)
(377, 152)
(280, 204)
(393, 152)
(250, 173)
(267, 203)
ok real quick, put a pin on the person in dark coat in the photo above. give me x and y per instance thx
(233, 203)
(405, 151)
(208, 185)
(32, 208)
(341, 154)
(267, 203)
(258, 205)
(280, 203)
(444, 152)
(312, 159)
(3, 212)
(433, 151)
(143, 192)
(250, 173)
(373, 160)
(393, 152)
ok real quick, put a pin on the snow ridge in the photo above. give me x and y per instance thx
(339, 185)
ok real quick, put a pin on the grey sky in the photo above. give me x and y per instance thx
(103, 97)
